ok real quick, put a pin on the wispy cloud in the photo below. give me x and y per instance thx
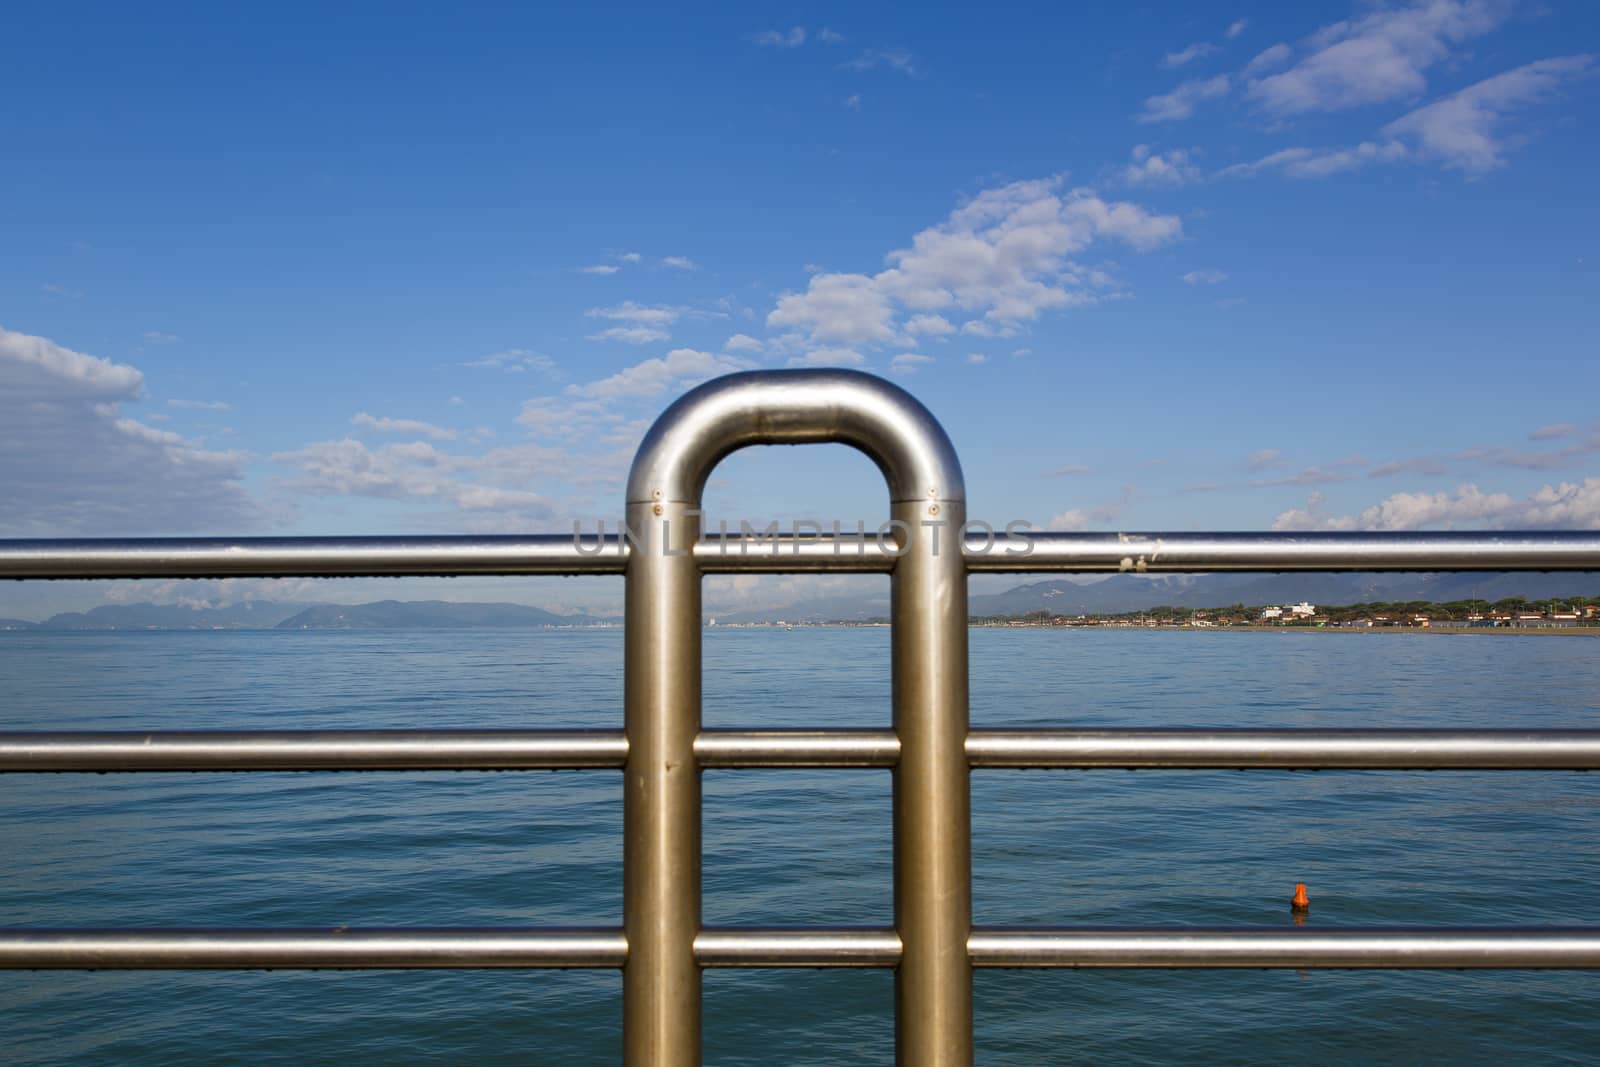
(793, 37)
(633, 335)
(412, 426)
(908, 362)
(1205, 277)
(1154, 168)
(1567, 505)
(679, 263)
(1182, 101)
(1380, 56)
(517, 360)
(200, 405)
(1236, 28)
(1553, 432)
(1198, 50)
(654, 376)
(1078, 519)
(161, 337)
(1004, 258)
(1461, 129)
(600, 268)
(898, 59)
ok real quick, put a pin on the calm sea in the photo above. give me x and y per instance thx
(785, 847)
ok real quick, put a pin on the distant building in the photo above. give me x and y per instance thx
(1303, 610)
(1271, 613)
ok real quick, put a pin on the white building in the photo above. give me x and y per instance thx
(1303, 610)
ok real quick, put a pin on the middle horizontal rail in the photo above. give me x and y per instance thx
(342, 947)
(465, 750)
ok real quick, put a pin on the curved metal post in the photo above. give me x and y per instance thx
(661, 806)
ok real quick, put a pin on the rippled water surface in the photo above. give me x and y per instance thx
(797, 847)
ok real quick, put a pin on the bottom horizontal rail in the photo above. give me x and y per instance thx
(1378, 947)
(332, 948)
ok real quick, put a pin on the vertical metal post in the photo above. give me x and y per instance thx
(661, 783)
(661, 805)
(932, 808)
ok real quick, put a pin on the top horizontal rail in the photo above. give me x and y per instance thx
(555, 554)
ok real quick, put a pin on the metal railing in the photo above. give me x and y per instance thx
(662, 945)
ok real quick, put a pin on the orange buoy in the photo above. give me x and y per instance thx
(1301, 902)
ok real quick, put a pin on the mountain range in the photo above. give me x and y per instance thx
(1061, 596)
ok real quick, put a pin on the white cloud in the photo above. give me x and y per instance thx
(418, 470)
(1569, 505)
(1198, 50)
(680, 367)
(853, 101)
(894, 58)
(908, 362)
(633, 335)
(827, 36)
(679, 262)
(1078, 519)
(1460, 129)
(793, 37)
(741, 342)
(929, 326)
(1268, 59)
(1153, 168)
(1320, 162)
(517, 360)
(629, 257)
(200, 405)
(1070, 468)
(849, 308)
(638, 314)
(1205, 277)
(1003, 256)
(1236, 29)
(1374, 58)
(72, 464)
(387, 425)
(829, 357)
(1553, 431)
(977, 359)
(600, 268)
(160, 337)
(1265, 459)
(1181, 102)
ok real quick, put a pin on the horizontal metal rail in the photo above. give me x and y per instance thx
(1298, 947)
(466, 750)
(314, 750)
(1167, 553)
(798, 947)
(606, 947)
(332, 557)
(1246, 749)
(313, 948)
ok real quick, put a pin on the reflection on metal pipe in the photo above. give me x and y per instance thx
(1298, 947)
(1289, 749)
(320, 948)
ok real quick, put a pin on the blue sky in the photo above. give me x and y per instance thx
(391, 269)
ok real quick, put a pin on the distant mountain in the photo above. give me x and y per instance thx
(16, 624)
(245, 615)
(1127, 592)
(413, 614)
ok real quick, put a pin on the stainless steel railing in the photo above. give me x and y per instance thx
(662, 945)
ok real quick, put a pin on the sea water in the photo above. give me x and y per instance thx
(797, 847)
